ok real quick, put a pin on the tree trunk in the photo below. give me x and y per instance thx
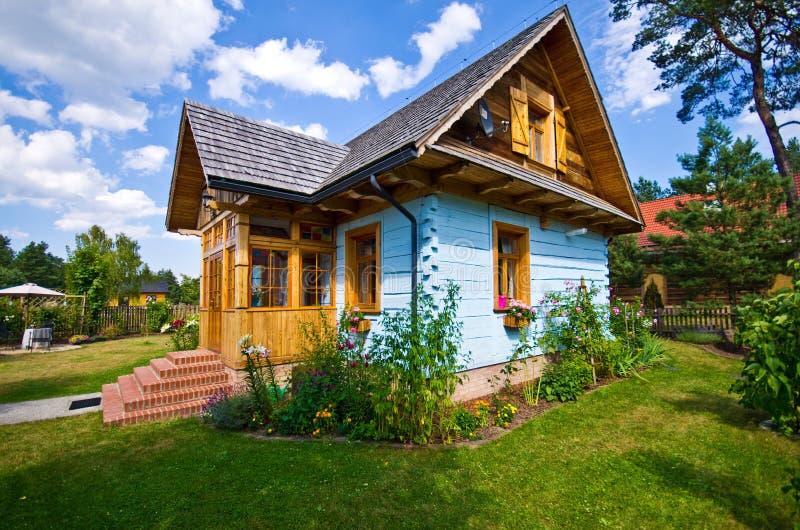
(773, 133)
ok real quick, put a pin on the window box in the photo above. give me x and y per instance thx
(514, 322)
(364, 326)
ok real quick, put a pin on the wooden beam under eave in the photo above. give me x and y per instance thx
(362, 196)
(495, 185)
(346, 206)
(452, 171)
(559, 206)
(533, 196)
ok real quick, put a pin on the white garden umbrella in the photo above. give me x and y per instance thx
(26, 291)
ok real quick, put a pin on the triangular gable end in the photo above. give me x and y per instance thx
(188, 181)
(594, 160)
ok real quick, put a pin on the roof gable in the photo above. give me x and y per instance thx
(236, 153)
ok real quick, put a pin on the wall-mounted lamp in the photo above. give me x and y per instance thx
(206, 199)
(504, 125)
(576, 232)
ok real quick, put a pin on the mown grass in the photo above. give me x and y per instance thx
(40, 375)
(676, 451)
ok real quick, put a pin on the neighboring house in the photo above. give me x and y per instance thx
(292, 225)
(148, 292)
(672, 295)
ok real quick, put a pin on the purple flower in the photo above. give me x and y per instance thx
(353, 364)
(350, 345)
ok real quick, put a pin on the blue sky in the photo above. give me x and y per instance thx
(90, 93)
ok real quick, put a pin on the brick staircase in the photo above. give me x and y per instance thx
(175, 385)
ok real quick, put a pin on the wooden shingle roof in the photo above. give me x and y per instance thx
(240, 149)
(413, 122)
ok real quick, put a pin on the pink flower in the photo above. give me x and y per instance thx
(354, 320)
(578, 309)
(350, 345)
(356, 310)
(616, 310)
(353, 330)
(353, 364)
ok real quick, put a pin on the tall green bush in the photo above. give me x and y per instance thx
(158, 314)
(418, 363)
(770, 328)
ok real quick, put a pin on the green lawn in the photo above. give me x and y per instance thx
(674, 452)
(40, 375)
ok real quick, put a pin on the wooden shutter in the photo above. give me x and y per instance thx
(520, 139)
(561, 140)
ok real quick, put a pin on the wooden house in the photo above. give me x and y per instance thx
(148, 292)
(290, 224)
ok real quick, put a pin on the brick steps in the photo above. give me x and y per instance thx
(176, 385)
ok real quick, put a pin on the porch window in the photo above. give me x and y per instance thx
(317, 268)
(511, 264)
(363, 275)
(230, 278)
(269, 278)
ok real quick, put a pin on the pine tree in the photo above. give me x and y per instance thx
(734, 235)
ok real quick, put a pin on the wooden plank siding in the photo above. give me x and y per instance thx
(455, 237)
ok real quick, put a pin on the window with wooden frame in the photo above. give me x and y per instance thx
(511, 250)
(214, 282)
(230, 229)
(218, 234)
(269, 277)
(316, 273)
(230, 278)
(537, 134)
(363, 268)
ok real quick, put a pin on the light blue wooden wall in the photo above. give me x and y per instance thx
(455, 244)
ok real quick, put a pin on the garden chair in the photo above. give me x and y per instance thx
(42, 336)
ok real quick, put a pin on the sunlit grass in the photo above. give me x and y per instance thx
(40, 375)
(676, 451)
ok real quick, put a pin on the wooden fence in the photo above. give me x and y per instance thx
(133, 319)
(671, 321)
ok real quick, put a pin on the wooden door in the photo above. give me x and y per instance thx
(215, 302)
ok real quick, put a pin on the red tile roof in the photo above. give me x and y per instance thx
(651, 208)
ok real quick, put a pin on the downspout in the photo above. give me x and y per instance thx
(414, 250)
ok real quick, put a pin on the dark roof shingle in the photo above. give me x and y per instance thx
(238, 148)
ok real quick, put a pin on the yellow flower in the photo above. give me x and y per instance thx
(269, 431)
(349, 420)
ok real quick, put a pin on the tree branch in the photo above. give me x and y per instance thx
(790, 122)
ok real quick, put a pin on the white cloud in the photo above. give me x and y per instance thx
(15, 233)
(237, 5)
(102, 51)
(32, 109)
(123, 116)
(47, 170)
(632, 78)
(317, 130)
(297, 68)
(748, 123)
(456, 25)
(148, 159)
(181, 81)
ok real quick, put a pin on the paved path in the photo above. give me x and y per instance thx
(44, 409)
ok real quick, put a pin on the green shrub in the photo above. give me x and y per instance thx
(334, 371)
(698, 337)
(230, 412)
(652, 297)
(770, 327)
(505, 414)
(466, 423)
(260, 379)
(567, 379)
(417, 365)
(157, 314)
(184, 334)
